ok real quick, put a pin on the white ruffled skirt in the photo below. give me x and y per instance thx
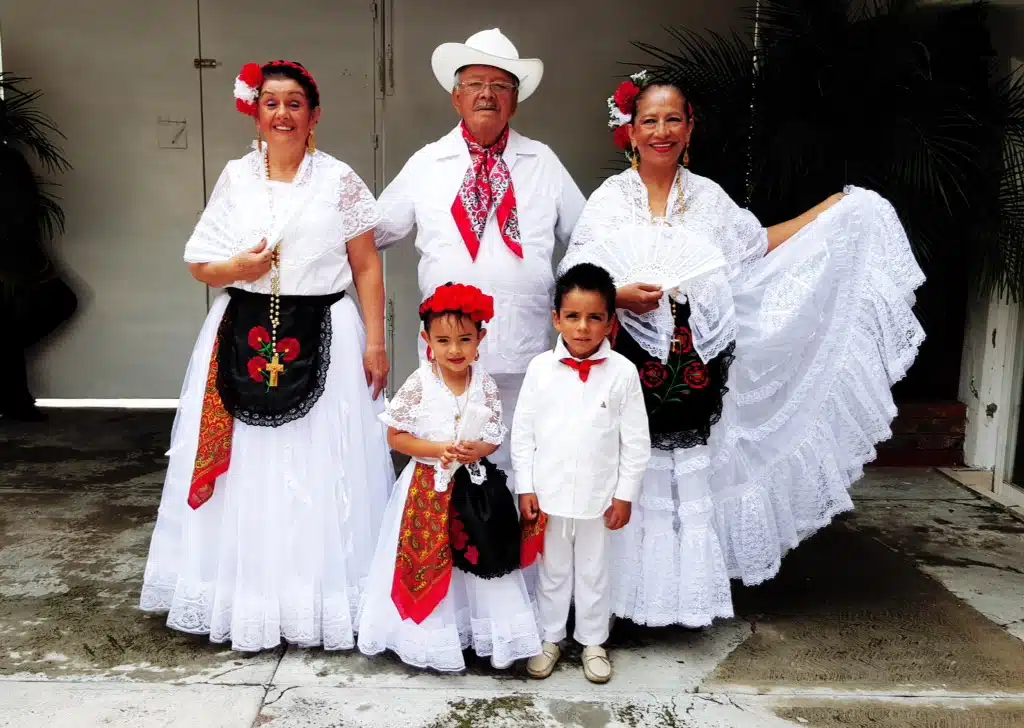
(825, 330)
(494, 617)
(283, 548)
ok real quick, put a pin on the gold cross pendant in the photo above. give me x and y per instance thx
(274, 368)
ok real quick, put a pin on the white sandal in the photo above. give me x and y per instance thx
(541, 666)
(596, 665)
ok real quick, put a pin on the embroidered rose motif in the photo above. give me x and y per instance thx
(696, 375)
(257, 366)
(288, 348)
(458, 535)
(653, 374)
(682, 342)
(258, 337)
(472, 555)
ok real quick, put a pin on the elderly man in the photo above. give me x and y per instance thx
(488, 205)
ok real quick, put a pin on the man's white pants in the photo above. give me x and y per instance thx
(574, 564)
(508, 389)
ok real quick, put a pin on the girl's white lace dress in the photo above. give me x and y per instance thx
(822, 327)
(494, 617)
(283, 547)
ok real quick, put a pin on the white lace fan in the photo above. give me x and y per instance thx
(661, 255)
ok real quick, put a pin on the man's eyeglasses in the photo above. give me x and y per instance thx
(499, 88)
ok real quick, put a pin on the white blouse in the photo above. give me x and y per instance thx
(315, 216)
(425, 408)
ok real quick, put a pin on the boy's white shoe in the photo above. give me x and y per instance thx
(541, 666)
(596, 665)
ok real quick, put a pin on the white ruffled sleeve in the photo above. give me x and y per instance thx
(214, 238)
(742, 237)
(404, 410)
(494, 431)
(358, 204)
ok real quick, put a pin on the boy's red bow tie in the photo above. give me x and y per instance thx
(582, 367)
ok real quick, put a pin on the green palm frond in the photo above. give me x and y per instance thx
(30, 212)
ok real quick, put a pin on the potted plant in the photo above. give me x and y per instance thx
(34, 299)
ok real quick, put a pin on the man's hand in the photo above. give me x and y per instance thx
(618, 514)
(529, 507)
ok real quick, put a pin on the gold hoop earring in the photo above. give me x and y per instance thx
(311, 142)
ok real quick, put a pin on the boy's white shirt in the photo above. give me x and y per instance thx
(579, 444)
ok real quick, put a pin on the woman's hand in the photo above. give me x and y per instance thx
(377, 367)
(640, 298)
(253, 264)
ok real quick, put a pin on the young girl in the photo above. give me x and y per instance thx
(418, 602)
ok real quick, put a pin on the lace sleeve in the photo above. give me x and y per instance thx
(358, 204)
(744, 241)
(594, 223)
(214, 238)
(494, 431)
(403, 412)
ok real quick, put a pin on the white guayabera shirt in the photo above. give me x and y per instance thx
(548, 203)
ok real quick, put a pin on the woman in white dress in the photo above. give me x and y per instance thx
(446, 574)
(279, 471)
(766, 354)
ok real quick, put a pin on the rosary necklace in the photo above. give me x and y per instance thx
(275, 367)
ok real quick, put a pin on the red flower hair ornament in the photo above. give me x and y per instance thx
(620, 108)
(459, 299)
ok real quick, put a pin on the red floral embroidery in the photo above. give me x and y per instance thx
(257, 366)
(625, 95)
(472, 555)
(258, 338)
(653, 374)
(621, 138)
(696, 375)
(682, 342)
(458, 534)
(289, 348)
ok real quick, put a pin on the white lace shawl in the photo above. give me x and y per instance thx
(322, 209)
(425, 408)
(711, 216)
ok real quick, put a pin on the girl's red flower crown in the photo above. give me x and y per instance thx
(249, 80)
(621, 106)
(461, 299)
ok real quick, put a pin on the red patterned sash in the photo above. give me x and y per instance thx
(423, 564)
(213, 456)
(533, 539)
(487, 184)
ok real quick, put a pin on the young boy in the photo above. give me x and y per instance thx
(580, 445)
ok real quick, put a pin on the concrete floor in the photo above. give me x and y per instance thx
(908, 612)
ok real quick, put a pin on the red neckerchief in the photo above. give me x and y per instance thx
(487, 184)
(582, 367)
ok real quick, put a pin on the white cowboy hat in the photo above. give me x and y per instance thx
(486, 48)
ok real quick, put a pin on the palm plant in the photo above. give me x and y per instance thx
(883, 94)
(29, 212)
